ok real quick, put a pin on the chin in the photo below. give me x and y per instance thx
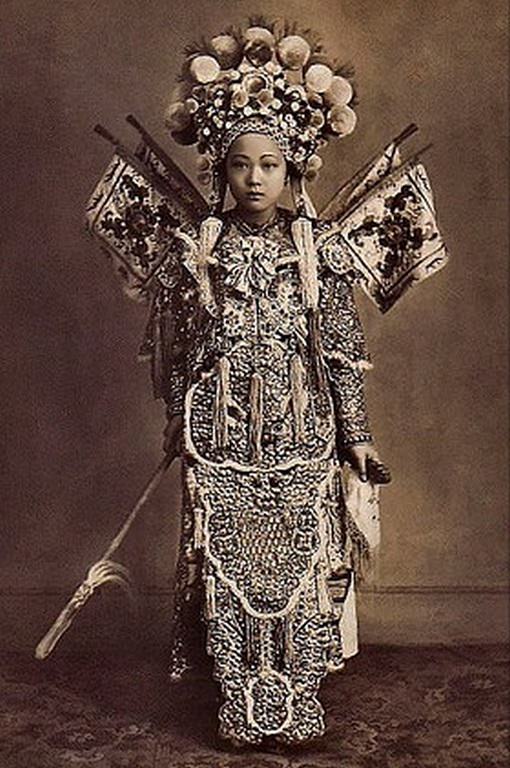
(257, 205)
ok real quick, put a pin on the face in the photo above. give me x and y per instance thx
(256, 172)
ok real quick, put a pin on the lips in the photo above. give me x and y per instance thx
(255, 195)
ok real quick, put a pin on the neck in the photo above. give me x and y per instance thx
(256, 217)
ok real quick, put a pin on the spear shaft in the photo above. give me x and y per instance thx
(103, 570)
(330, 209)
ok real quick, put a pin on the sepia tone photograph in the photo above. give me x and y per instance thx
(254, 392)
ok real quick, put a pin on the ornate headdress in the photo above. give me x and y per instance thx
(269, 79)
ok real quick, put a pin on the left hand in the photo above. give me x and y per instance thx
(365, 461)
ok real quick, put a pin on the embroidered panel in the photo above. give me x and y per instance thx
(391, 238)
(134, 220)
(270, 670)
(264, 531)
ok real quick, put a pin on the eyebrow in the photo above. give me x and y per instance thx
(246, 157)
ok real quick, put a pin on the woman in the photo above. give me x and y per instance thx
(257, 349)
(260, 360)
(266, 417)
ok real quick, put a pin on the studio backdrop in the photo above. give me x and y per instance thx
(81, 432)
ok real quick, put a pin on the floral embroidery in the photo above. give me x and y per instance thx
(138, 221)
(390, 238)
(262, 488)
(396, 231)
(250, 263)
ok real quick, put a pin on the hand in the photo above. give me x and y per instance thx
(172, 442)
(365, 461)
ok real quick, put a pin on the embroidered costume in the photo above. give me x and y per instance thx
(255, 339)
(263, 484)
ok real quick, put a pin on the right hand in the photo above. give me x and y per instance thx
(172, 443)
(365, 461)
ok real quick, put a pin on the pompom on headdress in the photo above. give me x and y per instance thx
(270, 79)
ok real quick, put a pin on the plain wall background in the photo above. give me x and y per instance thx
(80, 431)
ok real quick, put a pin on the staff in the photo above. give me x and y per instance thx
(104, 570)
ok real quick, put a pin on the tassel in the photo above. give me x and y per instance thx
(362, 522)
(220, 421)
(279, 643)
(191, 484)
(209, 232)
(299, 396)
(302, 236)
(302, 200)
(250, 639)
(210, 597)
(256, 416)
(289, 641)
(314, 337)
(266, 644)
(303, 239)
(198, 533)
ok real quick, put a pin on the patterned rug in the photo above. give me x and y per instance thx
(390, 708)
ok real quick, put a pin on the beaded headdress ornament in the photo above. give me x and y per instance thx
(270, 79)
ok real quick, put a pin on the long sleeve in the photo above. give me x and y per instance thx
(169, 336)
(346, 357)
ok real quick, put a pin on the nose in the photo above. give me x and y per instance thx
(254, 177)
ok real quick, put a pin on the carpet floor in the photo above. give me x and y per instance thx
(391, 707)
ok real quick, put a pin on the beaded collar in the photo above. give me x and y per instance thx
(280, 217)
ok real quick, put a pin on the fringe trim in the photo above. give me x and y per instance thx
(221, 403)
(289, 641)
(158, 346)
(299, 396)
(194, 454)
(209, 232)
(362, 542)
(302, 235)
(210, 597)
(191, 484)
(256, 415)
(198, 533)
(359, 553)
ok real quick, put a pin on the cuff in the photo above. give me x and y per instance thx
(350, 408)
